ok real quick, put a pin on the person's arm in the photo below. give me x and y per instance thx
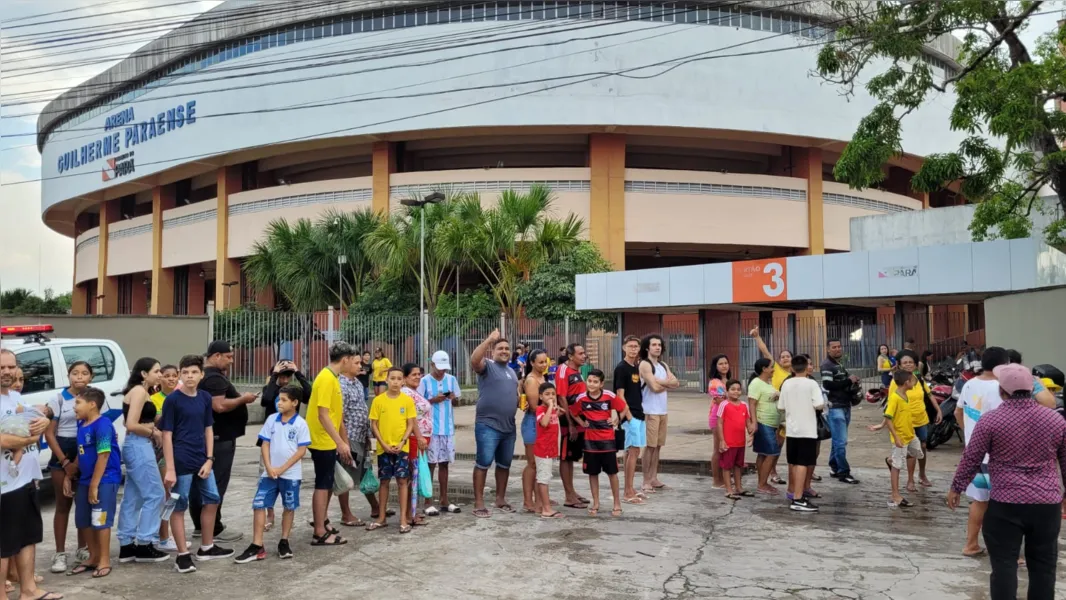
(217, 386)
(103, 452)
(647, 373)
(377, 435)
(532, 391)
(761, 345)
(16, 442)
(53, 442)
(753, 408)
(209, 435)
(1062, 460)
(829, 381)
(1045, 399)
(671, 382)
(343, 450)
(895, 432)
(477, 357)
(960, 414)
(267, 396)
(264, 451)
(817, 400)
(720, 428)
(138, 396)
(972, 456)
(412, 430)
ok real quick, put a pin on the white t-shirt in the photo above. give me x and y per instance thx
(29, 466)
(62, 405)
(285, 438)
(978, 396)
(800, 397)
(654, 403)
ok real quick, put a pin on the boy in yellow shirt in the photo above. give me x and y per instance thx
(392, 419)
(901, 427)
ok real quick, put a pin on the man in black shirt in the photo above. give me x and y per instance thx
(627, 387)
(231, 417)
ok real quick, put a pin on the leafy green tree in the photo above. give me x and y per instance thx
(506, 244)
(549, 294)
(385, 313)
(1005, 95)
(21, 301)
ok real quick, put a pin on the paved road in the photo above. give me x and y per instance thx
(688, 542)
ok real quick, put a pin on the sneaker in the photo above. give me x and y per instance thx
(59, 563)
(284, 551)
(252, 554)
(81, 555)
(149, 554)
(802, 506)
(215, 552)
(196, 533)
(127, 553)
(168, 545)
(183, 564)
(228, 535)
(847, 479)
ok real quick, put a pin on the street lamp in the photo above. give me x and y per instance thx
(433, 198)
(341, 261)
(229, 286)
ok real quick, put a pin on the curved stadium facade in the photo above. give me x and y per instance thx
(681, 132)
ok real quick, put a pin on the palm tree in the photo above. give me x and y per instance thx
(509, 241)
(348, 233)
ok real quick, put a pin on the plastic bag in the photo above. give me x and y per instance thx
(342, 481)
(425, 480)
(370, 483)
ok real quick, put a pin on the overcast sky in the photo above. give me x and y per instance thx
(31, 255)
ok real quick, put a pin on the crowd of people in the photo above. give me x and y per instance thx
(182, 423)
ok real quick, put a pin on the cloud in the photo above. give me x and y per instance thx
(31, 255)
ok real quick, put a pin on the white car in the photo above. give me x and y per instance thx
(44, 363)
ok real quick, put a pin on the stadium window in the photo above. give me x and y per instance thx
(409, 19)
(549, 9)
(346, 27)
(467, 13)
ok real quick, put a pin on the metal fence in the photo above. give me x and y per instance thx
(261, 338)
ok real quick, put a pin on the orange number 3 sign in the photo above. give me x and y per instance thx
(759, 280)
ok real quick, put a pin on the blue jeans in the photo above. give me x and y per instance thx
(839, 419)
(142, 501)
(207, 489)
(493, 445)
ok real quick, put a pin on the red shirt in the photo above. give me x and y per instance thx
(569, 385)
(547, 444)
(599, 437)
(734, 420)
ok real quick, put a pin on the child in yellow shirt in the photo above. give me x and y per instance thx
(392, 419)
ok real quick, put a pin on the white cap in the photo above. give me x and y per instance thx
(441, 360)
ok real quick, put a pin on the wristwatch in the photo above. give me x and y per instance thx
(211, 458)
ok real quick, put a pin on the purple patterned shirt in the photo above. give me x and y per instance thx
(1026, 446)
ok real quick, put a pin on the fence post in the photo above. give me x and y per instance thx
(210, 321)
(424, 334)
(330, 331)
(503, 323)
(566, 330)
(701, 348)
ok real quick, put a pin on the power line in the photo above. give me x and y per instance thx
(88, 6)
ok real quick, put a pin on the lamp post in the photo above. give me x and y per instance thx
(229, 286)
(341, 261)
(433, 198)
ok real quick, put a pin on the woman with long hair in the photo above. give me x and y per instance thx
(923, 364)
(716, 389)
(142, 500)
(62, 438)
(907, 361)
(535, 373)
(412, 376)
(763, 400)
(782, 368)
(884, 365)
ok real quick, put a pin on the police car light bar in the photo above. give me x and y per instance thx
(21, 330)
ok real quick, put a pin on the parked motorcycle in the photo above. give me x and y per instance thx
(943, 431)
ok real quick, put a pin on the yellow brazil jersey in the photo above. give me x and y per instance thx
(381, 369)
(899, 411)
(916, 402)
(780, 374)
(392, 415)
(325, 392)
(157, 399)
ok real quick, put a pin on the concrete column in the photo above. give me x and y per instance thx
(384, 165)
(607, 208)
(226, 268)
(808, 164)
(106, 287)
(162, 279)
(77, 299)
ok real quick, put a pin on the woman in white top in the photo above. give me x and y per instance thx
(62, 438)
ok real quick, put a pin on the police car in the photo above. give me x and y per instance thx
(44, 361)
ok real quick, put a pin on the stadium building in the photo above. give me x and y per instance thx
(681, 132)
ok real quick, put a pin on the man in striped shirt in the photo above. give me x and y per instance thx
(441, 388)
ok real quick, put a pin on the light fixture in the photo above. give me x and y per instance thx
(657, 253)
(202, 273)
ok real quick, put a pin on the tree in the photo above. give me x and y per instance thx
(21, 301)
(549, 294)
(1005, 95)
(508, 242)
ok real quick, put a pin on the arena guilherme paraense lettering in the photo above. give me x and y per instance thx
(134, 133)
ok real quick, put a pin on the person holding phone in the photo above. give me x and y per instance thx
(441, 388)
(284, 373)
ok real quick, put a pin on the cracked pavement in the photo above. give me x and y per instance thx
(687, 542)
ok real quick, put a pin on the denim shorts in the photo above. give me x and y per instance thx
(100, 515)
(266, 495)
(922, 433)
(207, 488)
(765, 441)
(529, 429)
(492, 446)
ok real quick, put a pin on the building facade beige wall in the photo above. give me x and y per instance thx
(1031, 323)
(130, 253)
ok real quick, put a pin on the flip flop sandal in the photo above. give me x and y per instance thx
(816, 477)
(733, 496)
(593, 512)
(81, 569)
(777, 481)
(906, 503)
(482, 513)
(583, 500)
(8, 587)
(321, 541)
(270, 526)
(49, 596)
(634, 500)
(453, 509)
(371, 526)
(767, 492)
(616, 513)
(977, 554)
(554, 515)
(507, 508)
(421, 523)
(432, 512)
(312, 524)
(356, 523)
(748, 494)
(578, 505)
(811, 494)
(101, 573)
(405, 529)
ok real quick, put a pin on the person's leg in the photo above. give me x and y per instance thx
(503, 457)
(973, 527)
(725, 465)
(324, 462)
(799, 478)
(486, 439)
(566, 467)
(259, 526)
(103, 547)
(718, 479)
(910, 476)
(1042, 524)
(347, 516)
(529, 476)
(762, 468)
(594, 487)
(896, 496)
(149, 489)
(62, 512)
(224, 453)
(921, 466)
(129, 514)
(1003, 531)
(738, 474)
(838, 426)
(773, 466)
(645, 469)
(404, 486)
(660, 441)
(287, 519)
(209, 498)
(479, 488)
(443, 480)
(177, 518)
(613, 480)
(383, 501)
(24, 562)
(630, 472)
(544, 502)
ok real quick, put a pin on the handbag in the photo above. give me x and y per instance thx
(370, 483)
(342, 481)
(824, 433)
(425, 480)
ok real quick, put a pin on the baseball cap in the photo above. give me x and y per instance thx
(218, 347)
(1014, 379)
(441, 360)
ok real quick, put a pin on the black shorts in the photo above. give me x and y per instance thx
(802, 452)
(20, 520)
(600, 462)
(570, 449)
(68, 447)
(325, 461)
